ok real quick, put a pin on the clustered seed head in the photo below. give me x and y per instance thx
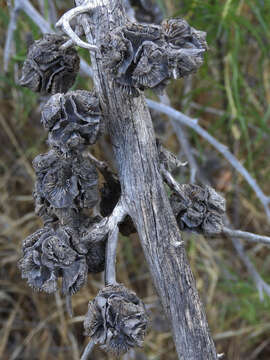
(200, 209)
(73, 120)
(66, 182)
(47, 255)
(49, 69)
(141, 56)
(116, 319)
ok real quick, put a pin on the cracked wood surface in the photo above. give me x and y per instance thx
(133, 139)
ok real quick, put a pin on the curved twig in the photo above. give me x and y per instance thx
(64, 24)
(88, 349)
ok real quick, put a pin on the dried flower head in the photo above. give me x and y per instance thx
(141, 56)
(151, 69)
(116, 318)
(185, 47)
(48, 69)
(47, 255)
(73, 120)
(65, 182)
(200, 209)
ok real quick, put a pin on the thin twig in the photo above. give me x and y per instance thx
(64, 24)
(88, 350)
(185, 120)
(111, 248)
(246, 236)
(10, 32)
(171, 182)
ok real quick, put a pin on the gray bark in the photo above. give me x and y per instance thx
(133, 139)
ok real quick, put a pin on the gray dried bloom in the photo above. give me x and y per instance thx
(185, 47)
(119, 49)
(73, 120)
(151, 69)
(48, 69)
(65, 182)
(47, 255)
(116, 318)
(200, 209)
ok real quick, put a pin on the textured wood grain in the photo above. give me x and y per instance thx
(132, 135)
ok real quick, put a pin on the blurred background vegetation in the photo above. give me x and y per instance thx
(230, 96)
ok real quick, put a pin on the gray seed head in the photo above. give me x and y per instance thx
(73, 120)
(200, 210)
(48, 69)
(116, 319)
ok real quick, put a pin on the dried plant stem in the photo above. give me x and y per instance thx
(87, 351)
(185, 120)
(247, 236)
(110, 272)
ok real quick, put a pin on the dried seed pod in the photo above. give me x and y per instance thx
(49, 69)
(65, 182)
(185, 47)
(180, 34)
(117, 52)
(151, 69)
(47, 255)
(73, 120)
(201, 209)
(116, 318)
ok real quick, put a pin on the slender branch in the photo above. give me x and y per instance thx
(9, 38)
(171, 182)
(88, 349)
(110, 272)
(185, 120)
(246, 236)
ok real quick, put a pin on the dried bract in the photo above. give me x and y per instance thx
(116, 318)
(73, 120)
(200, 209)
(48, 69)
